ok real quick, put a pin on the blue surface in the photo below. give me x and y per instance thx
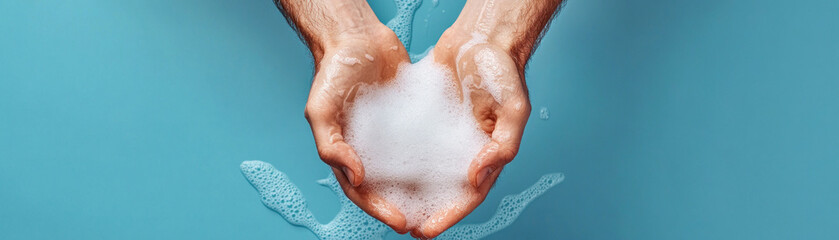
(671, 120)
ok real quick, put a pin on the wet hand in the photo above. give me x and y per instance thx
(493, 82)
(348, 62)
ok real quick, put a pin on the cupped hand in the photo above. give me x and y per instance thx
(493, 82)
(350, 60)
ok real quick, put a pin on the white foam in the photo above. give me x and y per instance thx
(416, 138)
(475, 39)
(490, 71)
(544, 113)
(341, 57)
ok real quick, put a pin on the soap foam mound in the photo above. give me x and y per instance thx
(281, 195)
(416, 139)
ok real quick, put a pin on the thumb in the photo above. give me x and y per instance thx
(341, 156)
(332, 148)
(506, 137)
(492, 158)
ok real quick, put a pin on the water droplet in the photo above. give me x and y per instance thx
(544, 114)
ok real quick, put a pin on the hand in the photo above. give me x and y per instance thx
(350, 48)
(353, 61)
(487, 49)
(494, 85)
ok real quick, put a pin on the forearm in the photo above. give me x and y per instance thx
(324, 23)
(514, 25)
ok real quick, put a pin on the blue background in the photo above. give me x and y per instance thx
(672, 119)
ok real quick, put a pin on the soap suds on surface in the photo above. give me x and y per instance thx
(544, 113)
(475, 39)
(402, 23)
(487, 19)
(281, 195)
(278, 193)
(416, 139)
(346, 60)
(490, 71)
(342, 58)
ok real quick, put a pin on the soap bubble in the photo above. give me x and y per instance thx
(544, 114)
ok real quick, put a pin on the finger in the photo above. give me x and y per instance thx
(373, 204)
(443, 220)
(505, 141)
(332, 148)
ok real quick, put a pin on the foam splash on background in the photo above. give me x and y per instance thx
(281, 195)
(402, 23)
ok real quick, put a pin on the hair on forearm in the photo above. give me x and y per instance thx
(304, 18)
(290, 19)
(538, 17)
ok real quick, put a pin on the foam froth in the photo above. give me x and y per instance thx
(416, 138)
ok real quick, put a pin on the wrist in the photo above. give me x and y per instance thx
(513, 26)
(362, 37)
(343, 35)
(490, 22)
(344, 21)
(462, 34)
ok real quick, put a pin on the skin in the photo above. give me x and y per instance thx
(344, 35)
(501, 34)
(351, 47)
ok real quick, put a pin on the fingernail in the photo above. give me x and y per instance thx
(483, 174)
(350, 176)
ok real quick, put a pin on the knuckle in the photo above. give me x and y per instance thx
(517, 108)
(527, 110)
(526, 107)
(306, 114)
(527, 104)
(507, 154)
(312, 112)
(325, 154)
